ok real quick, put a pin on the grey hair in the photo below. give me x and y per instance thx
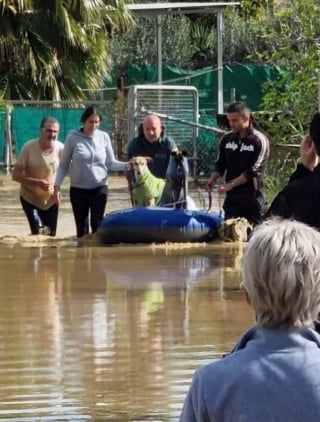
(48, 119)
(281, 274)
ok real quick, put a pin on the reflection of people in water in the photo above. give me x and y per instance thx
(171, 270)
(30, 306)
(35, 170)
(272, 373)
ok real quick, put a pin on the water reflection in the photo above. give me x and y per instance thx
(112, 333)
(169, 271)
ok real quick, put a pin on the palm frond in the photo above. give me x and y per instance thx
(54, 47)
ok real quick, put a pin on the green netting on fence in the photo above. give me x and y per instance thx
(206, 146)
(26, 122)
(246, 80)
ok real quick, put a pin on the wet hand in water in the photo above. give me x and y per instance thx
(308, 153)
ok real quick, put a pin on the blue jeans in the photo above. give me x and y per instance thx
(41, 221)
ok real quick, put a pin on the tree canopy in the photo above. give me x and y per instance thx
(49, 49)
(52, 49)
(296, 51)
(285, 34)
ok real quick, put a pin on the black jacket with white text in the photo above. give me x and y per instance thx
(245, 156)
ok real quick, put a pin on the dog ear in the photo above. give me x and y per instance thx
(140, 129)
(149, 159)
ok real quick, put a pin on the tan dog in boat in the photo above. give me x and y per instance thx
(235, 230)
(147, 189)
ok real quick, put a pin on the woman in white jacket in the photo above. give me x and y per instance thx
(87, 156)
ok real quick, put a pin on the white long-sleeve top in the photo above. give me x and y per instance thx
(87, 159)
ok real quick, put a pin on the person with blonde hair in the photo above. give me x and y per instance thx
(272, 374)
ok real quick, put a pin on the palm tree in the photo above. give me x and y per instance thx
(49, 49)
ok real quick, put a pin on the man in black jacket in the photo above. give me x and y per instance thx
(243, 155)
(152, 142)
(300, 199)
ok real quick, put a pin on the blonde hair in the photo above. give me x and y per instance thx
(281, 273)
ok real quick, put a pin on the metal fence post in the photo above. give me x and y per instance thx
(8, 153)
(232, 95)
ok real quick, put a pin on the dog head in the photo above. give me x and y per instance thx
(178, 167)
(140, 166)
(177, 175)
(235, 230)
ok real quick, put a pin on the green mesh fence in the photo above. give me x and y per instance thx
(26, 122)
(246, 80)
(206, 146)
(240, 83)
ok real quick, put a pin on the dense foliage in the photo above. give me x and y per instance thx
(283, 33)
(48, 49)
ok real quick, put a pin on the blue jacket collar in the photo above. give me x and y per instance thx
(256, 332)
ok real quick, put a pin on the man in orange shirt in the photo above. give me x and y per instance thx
(35, 170)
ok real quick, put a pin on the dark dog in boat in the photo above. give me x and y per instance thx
(147, 189)
(177, 178)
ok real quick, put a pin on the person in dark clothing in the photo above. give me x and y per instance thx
(152, 142)
(300, 199)
(243, 155)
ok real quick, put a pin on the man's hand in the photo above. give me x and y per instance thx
(43, 184)
(57, 195)
(226, 187)
(308, 153)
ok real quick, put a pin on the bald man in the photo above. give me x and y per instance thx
(152, 142)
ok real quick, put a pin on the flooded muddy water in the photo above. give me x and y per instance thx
(96, 333)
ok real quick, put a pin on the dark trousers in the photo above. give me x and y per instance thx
(251, 209)
(85, 201)
(41, 221)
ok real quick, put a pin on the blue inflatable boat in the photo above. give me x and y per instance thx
(158, 224)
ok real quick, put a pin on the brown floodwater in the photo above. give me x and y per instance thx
(96, 333)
